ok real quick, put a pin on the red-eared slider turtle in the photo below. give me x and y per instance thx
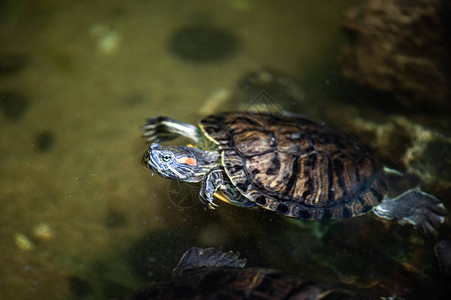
(213, 274)
(289, 165)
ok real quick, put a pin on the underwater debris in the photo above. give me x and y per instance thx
(43, 232)
(107, 38)
(23, 242)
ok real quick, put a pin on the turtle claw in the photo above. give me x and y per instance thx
(212, 205)
(154, 132)
(153, 137)
(149, 136)
(162, 129)
(150, 133)
(211, 182)
(414, 207)
(208, 202)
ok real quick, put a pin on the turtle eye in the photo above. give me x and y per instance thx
(166, 157)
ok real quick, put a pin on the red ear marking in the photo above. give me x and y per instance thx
(187, 160)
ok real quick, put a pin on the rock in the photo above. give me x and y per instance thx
(43, 232)
(44, 141)
(13, 105)
(398, 47)
(10, 64)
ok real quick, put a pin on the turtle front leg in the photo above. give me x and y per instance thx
(210, 183)
(161, 129)
(413, 207)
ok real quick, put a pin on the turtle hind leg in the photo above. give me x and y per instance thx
(161, 129)
(413, 207)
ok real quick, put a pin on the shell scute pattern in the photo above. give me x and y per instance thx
(296, 167)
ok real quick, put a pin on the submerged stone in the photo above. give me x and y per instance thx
(400, 47)
(12, 63)
(44, 141)
(13, 105)
(203, 43)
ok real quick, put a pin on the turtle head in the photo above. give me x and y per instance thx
(173, 162)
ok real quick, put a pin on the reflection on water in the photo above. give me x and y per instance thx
(82, 218)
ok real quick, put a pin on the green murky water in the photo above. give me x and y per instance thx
(81, 218)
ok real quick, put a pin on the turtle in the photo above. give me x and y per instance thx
(284, 163)
(210, 273)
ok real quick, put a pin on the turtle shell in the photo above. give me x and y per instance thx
(296, 167)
